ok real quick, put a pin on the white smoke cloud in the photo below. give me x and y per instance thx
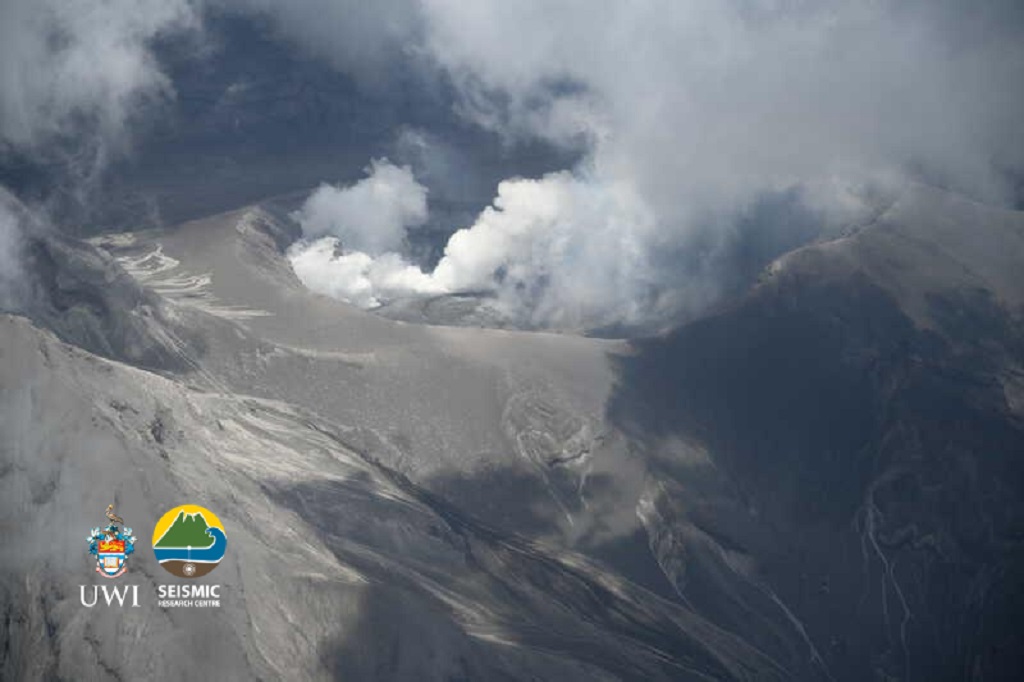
(11, 269)
(74, 78)
(689, 113)
(558, 251)
(707, 102)
(365, 223)
(693, 111)
(370, 216)
(80, 72)
(357, 277)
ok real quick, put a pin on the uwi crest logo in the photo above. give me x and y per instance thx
(189, 541)
(112, 546)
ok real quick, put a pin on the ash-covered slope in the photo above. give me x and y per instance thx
(402, 502)
(861, 413)
(818, 482)
(87, 299)
(338, 566)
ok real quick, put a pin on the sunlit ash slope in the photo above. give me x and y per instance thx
(821, 481)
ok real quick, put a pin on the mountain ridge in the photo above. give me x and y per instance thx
(187, 530)
(791, 487)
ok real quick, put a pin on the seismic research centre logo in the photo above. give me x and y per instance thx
(189, 541)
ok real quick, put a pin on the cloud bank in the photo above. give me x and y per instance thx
(75, 79)
(12, 276)
(689, 116)
(79, 73)
(692, 113)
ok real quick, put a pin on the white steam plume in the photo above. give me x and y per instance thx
(371, 215)
(560, 251)
(353, 236)
(12, 276)
(555, 252)
(356, 277)
(691, 113)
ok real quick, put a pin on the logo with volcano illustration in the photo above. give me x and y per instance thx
(189, 541)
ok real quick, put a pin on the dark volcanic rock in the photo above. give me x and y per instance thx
(874, 460)
(88, 300)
